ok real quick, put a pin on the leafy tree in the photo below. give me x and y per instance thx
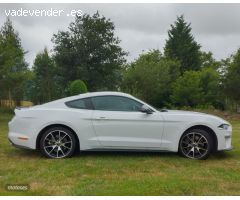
(43, 86)
(13, 68)
(232, 78)
(89, 51)
(77, 87)
(207, 60)
(210, 84)
(187, 90)
(198, 88)
(181, 46)
(150, 78)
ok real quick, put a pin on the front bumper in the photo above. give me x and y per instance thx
(227, 149)
(224, 139)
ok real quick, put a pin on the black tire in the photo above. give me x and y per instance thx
(198, 148)
(52, 146)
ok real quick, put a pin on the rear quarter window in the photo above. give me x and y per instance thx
(80, 104)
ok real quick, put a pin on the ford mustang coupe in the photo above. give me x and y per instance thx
(116, 121)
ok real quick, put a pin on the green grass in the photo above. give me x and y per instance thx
(112, 173)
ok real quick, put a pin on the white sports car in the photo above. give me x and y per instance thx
(116, 121)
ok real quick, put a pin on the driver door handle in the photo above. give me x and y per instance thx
(102, 117)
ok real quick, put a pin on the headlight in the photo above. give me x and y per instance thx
(224, 126)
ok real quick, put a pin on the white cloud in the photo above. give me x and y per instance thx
(139, 26)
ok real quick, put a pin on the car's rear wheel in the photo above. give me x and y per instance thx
(196, 144)
(58, 142)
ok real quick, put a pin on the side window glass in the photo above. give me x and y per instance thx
(80, 104)
(116, 103)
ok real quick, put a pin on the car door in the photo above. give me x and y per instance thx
(118, 123)
(80, 116)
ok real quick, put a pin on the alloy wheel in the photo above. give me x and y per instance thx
(194, 145)
(57, 144)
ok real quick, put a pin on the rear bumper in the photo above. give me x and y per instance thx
(21, 133)
(18, 146)
(21, 141)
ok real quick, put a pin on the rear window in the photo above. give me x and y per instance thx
(80, 104)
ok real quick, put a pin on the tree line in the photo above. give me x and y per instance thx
(88, 57)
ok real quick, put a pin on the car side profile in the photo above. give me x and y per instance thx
(116, 121)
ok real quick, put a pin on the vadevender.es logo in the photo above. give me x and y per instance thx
(42, 13)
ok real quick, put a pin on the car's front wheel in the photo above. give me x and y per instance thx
(58, 142)
(196, 144)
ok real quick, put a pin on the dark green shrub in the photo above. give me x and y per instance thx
(77, 87)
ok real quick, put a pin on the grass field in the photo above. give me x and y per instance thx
(112, 173)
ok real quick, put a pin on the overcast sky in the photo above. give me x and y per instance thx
(139, 26)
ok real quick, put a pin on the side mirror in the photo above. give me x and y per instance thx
(146, 109)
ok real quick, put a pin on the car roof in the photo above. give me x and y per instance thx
(59, 103)
(92, 94)
(84, 95)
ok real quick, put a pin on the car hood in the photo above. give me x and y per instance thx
(195, 115)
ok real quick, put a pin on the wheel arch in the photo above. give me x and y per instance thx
(205, 128)
(56, 125)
